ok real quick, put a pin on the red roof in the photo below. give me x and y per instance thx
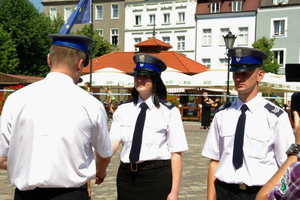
(153, 42)
(124, 60)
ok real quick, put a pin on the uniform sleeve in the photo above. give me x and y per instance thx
(115, 129)
(100, 138)
(211, 147)
(284, 137)
(176, 136)
(5, 126)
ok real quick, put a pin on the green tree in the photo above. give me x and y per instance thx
(101, 46)
(8, 53)
(28, 30)
(270, 64)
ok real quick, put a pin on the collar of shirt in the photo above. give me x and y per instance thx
(149, 103)
(57, 76)
(252, 104)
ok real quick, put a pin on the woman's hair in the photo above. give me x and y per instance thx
(159, 92)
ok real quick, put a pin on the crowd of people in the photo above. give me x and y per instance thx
(52, 147)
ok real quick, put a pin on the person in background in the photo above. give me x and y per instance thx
(87, 86)
(285, 184)
(217, 103)
(47, 134)
(151, 132)
(248, 136)
(111, 99)
(206, 111)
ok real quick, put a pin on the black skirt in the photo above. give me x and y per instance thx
(147, 185)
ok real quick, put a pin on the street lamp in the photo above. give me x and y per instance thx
(229, 41)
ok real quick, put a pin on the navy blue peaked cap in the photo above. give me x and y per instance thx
(245, 58)
(147, 64)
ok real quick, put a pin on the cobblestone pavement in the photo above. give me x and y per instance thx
(194, 175)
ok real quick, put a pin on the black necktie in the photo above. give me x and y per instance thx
(239, 139)
(138, 134)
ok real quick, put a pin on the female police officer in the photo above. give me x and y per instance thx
(151, 163)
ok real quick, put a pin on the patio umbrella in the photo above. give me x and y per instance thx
(108, 77)
(173, 78)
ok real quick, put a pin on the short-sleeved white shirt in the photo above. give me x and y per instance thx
(268, 134)
(47, 133)
(163, 131)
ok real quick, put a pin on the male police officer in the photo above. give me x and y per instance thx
(248, 137)
(48, 129)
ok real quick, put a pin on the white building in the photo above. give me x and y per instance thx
(214, 20)
(174, 24)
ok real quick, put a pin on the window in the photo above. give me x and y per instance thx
(115, 11)
(279, 55)
(100, 31)
(181, 17)
(206, 62)
(279, 2)
(236, 6)
(223, 32)
(67, 13)
(166, 40)
(214, 7)
(243, 36)
(99, 12)
(206, 37)
(278, 27)
(53, 13)
(152, 19)
(223, 62)
(181, 43)
(115, 36)
(166, 18)
(137, 40)
(138, 20)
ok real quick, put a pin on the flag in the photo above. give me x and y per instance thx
(81, 15)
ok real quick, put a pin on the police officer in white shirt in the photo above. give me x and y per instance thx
(245, 155)
(155, 172)
(49, 129)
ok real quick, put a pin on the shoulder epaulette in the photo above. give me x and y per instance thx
(128, 101)
(226, 105)
(166, 103)
(274, 109)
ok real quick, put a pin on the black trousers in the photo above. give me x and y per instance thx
(53, 194)
(152, 184)
(232, 192)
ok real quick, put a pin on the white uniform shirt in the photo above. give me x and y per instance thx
(266, 139)
(163, 131)
(48, 130)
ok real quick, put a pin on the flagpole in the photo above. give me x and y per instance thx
(91, 49)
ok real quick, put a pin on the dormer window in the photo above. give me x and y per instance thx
(214, 7)
(236, 6)
(280, 2)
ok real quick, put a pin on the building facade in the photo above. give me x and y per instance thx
(108, 17)
(280, 19)
(214, 19)
(173, 22)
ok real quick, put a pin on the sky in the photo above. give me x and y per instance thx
(37, 4)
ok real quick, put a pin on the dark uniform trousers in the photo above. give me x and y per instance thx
(227, 191)
(53, 194)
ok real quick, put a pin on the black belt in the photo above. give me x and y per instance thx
(239, 187)
(153, 164)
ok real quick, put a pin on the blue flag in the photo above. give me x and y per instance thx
(81, 15)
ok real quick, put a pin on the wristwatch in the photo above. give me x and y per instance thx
(293, 150)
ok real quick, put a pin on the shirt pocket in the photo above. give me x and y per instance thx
(126, 130)
(155, 132)
(256, 144)
(227, 140)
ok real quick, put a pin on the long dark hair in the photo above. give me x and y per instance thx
(160, 91)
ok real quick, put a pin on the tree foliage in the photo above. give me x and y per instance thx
(101, 46)
(8, 53)
(270, 64)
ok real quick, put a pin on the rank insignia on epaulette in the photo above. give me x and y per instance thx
(276, 110)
